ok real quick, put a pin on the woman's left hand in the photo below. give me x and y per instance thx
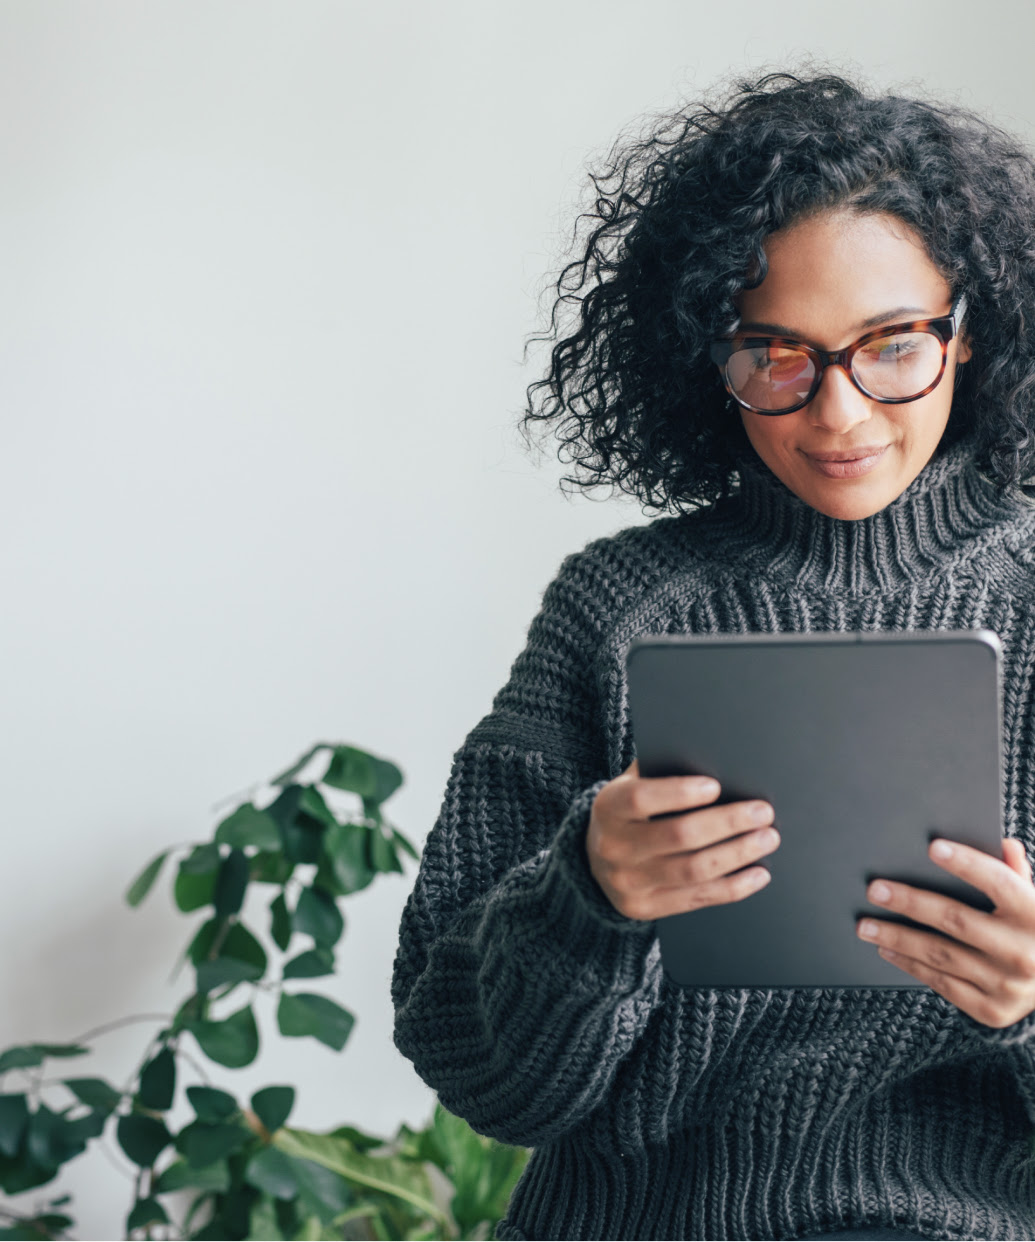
(987, 969)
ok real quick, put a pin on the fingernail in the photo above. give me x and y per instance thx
(941, 849)
(868, 929)
(878, 891)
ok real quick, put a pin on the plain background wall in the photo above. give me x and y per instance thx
(266, 270)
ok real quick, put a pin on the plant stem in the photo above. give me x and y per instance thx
(111, 1026)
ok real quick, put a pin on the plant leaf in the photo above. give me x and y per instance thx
(143, 1139)
(95, 1093)
(14, 1117)
(249, 826)
(213, 974)
(312, 964)
(405, 844)
(146, 1212)
(212, 1105)
(238, 942)
(352, 769)
(483, 1172)
(28, 1056)
(203, 1143)
(231, 883)
(271, 867)
(263, 1223)
(193, 889)
(382, 852)
(299, 831)
(317, 915)
(158, 1081)
(273, 1105)
(299, 764)
(142, 885)
(391, 1175)
(280, 922)
(180, 1175)
(202, 859)
(89, 1126)
(304, 1013)
(24, 1174)
(313, 803)
(234, 1042)
(273, 1172)
(345, 846)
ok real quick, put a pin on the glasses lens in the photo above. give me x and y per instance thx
(770, 377)
(899, 365)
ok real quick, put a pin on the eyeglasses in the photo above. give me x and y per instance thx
(778, 375)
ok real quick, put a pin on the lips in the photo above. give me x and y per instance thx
(848, 463)
(864, 450)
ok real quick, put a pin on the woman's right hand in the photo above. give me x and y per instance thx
(650, 868)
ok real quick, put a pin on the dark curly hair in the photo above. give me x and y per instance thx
(677, 231)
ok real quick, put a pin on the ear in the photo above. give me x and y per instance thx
(963, 350)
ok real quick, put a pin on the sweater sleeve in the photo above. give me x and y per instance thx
(518, 988)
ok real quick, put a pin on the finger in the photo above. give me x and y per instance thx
(1008, 891)
(961, 993)
(700, 866)
(639, 799)
(1016, 858)
(936, 953)
(708, 825)
(986, 933)
(720, 892)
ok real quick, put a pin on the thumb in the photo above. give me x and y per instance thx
(1015, 858)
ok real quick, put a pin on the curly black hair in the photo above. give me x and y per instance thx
(677, 231)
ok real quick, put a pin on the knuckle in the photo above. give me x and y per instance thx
(638, 801)
(638, 907)
(939, 956)
(954, 921)
(1022, 964)
(609, 849)
(695, 869)
(991, 1014)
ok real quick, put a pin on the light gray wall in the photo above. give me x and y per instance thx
(265, 274)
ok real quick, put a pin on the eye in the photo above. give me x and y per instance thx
(892, 349)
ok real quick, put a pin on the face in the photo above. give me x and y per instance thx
(831, 279)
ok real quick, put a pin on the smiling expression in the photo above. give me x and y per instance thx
(831, 278)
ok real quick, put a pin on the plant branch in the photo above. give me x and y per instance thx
(112, 1026)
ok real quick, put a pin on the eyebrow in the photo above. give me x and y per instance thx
(875, 321)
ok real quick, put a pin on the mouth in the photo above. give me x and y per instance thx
(847, 463)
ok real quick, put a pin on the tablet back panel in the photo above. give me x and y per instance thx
(868, 745)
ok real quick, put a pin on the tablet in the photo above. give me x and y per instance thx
(867, 745)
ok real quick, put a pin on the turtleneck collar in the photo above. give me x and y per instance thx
(948, 512)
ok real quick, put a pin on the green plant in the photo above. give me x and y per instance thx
(245, 1173)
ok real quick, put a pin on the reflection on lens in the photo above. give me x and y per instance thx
(901, 365)
(771, 377)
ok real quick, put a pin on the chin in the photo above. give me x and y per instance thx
(844, 505)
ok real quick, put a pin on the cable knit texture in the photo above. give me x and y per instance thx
(542, 1015)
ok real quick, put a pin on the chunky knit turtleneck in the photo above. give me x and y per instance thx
(542, 1015)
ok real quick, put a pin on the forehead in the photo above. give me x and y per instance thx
(829, 273)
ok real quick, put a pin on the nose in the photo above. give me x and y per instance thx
(838, 405)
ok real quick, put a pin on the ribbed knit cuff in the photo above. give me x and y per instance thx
(591, 929)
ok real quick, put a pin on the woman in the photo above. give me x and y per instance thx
(806, 334)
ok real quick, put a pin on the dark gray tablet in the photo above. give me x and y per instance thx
(868, 745)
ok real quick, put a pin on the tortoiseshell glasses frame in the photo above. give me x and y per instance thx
(943, 329)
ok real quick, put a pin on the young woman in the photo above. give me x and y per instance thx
(805, 333)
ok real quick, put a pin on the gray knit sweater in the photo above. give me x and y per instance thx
(542, 1016)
